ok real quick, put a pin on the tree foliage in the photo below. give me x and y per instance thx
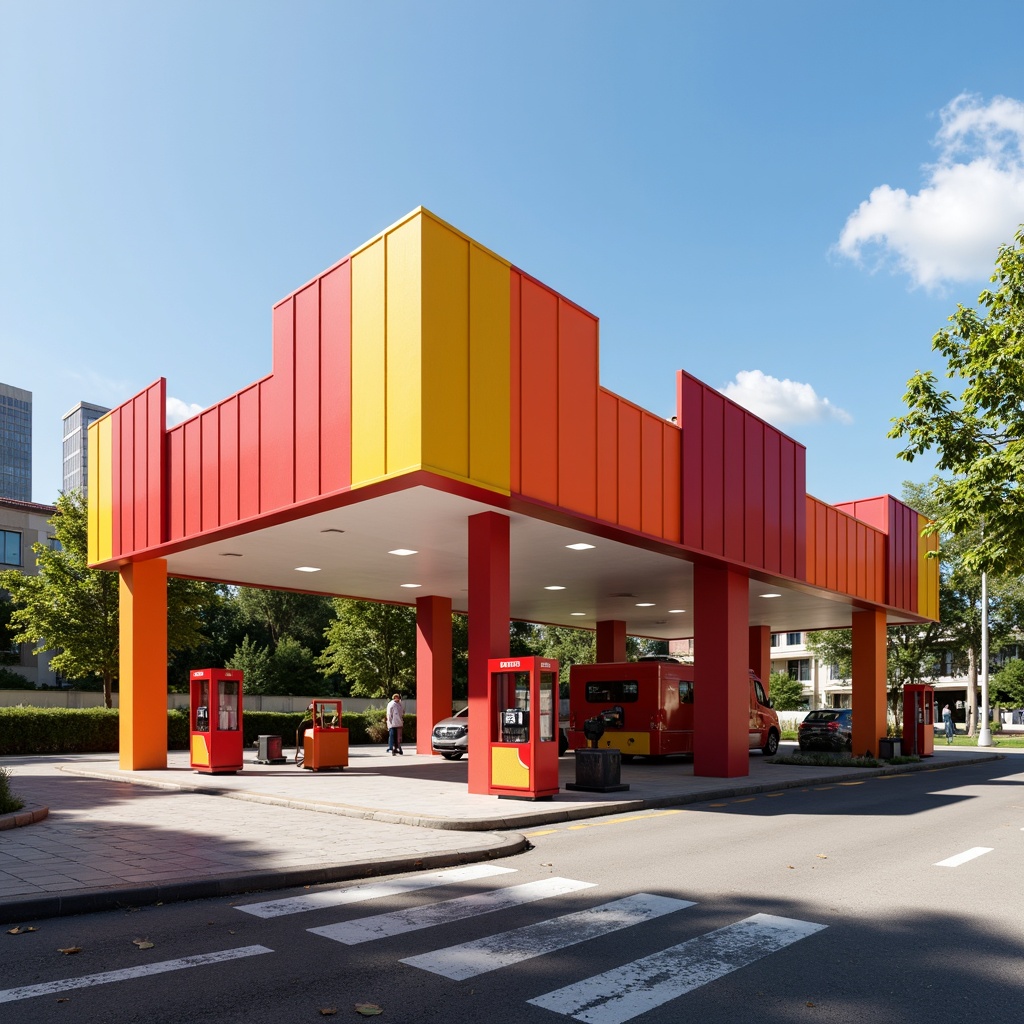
(72, 610)
(787, 694)
(1008, 684)
(373, 645)
(977, 430)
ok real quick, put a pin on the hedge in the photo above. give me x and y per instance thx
(27, 730)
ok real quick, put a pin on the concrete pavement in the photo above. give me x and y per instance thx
(94, 837)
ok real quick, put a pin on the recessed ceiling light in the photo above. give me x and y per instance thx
(676, 611)
(231, 554)
(554, 588)
(403, 551)
(577, 613)
(306, 568)
(579, 547)
(771, 595)
(412, 586)
(645, 604)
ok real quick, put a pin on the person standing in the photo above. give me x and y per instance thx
(395, 717)
(947, 724)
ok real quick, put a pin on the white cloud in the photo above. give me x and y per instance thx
(177, 410)
(972, 200)
(781, 401)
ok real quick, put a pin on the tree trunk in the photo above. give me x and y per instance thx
(972, 692)
(108, 690)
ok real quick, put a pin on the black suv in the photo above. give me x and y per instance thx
(827, 728)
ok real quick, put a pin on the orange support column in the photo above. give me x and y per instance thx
(143, 665)
(761, 653)
(433, 666)
(611, 641)
(721, 707)
(869, 675)
(488, 630)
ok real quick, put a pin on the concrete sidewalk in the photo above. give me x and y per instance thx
(104, 838)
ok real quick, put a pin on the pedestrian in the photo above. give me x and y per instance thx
(395, 715)
(947, 723)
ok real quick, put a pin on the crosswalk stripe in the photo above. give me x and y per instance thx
(383, 925)
(506, 948)
(371, 891)
(129, 973)
(962, 858)
(619, 995)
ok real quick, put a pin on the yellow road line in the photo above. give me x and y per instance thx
(859, 783)
(543, 832)
(620, 821)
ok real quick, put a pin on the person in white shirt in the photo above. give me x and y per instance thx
(395, 716)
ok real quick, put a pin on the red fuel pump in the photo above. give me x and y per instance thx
(215, 716)
(523, 711)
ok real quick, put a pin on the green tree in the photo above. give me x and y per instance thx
(282, 613)
(977, 429)
(373, 645)
(7, 655)
(787, 694)
(1008, 684)
(73, 610)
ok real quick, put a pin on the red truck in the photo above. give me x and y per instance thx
(647, 708)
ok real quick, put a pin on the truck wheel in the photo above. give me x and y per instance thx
(771, 748)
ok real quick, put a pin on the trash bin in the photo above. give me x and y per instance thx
(269, 750)
(890, 747)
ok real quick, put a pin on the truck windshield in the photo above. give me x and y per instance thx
(621, 691)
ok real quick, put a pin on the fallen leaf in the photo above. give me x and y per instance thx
(70, 949)
(142, 943)
(369, 1009)
(21, 929)
(808, 1004)
(791, 868)
(328, 1011)
(63, 999)
(822, 856)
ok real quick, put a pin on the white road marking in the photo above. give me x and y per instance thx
(371, 891)
(619, 995)
(962, 858)
(48, 988)
(493, 951)
(399, 921)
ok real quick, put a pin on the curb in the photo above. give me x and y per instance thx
(28, 815)
(98, 900)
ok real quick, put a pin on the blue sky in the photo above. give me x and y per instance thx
(785, 199)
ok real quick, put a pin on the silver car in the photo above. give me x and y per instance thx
(450, 737)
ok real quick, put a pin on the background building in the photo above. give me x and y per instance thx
(22, 524)
(15, 443)
(76, 448)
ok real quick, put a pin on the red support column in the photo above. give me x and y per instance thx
(611, 640)
(761, 653)
(142, 683)
(488, 630)
(869, 673)
(721, 710)
(433, 666)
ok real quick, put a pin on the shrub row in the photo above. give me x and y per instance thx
(26, 730)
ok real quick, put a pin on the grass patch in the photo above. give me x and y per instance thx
(9, 803)
(1006, 742)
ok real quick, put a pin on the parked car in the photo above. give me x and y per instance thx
(827, 728)
(450, 737)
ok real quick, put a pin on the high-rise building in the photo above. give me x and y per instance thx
(15, 443)
(76, 445)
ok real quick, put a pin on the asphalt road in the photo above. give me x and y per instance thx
(859, 901)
